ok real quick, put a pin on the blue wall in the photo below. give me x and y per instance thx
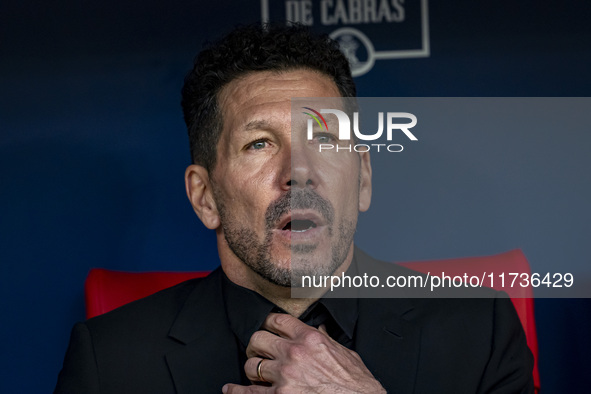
(93, 151)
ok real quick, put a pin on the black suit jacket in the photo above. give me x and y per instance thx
(179, 341)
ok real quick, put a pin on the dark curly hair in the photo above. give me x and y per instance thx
(246, 49)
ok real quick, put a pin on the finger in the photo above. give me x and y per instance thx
(264, 344)
(260, 370)
(231, 388)
(285, 325)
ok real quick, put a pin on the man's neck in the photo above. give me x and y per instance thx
(242, 275)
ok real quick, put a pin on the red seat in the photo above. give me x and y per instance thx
(106, 290)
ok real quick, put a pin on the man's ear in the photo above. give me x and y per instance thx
(200, 193)
(365, 182)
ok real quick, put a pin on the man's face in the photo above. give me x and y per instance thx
(284, 208)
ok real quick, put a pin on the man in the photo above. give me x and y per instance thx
(280, 211)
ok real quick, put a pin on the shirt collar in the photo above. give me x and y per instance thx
(247, 310)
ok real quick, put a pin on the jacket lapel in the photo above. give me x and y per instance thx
(388, 335)
(388, 341)
(208, 358)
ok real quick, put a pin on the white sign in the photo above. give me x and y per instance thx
(354, 22)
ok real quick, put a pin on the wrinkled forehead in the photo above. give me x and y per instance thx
(266, 96)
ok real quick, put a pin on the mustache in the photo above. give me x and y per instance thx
(298, 199)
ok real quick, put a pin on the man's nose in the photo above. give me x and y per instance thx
(302, 172)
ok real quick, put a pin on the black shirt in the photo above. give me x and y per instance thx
(247, 310)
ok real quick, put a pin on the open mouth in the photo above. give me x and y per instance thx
(299, 226)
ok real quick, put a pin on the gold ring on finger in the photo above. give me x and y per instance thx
(259, 372)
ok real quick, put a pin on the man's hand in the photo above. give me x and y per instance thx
(298, 358)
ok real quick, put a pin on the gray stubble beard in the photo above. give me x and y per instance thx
(256, 255)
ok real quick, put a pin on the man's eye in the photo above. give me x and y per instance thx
(257, 145)
(324, 138)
